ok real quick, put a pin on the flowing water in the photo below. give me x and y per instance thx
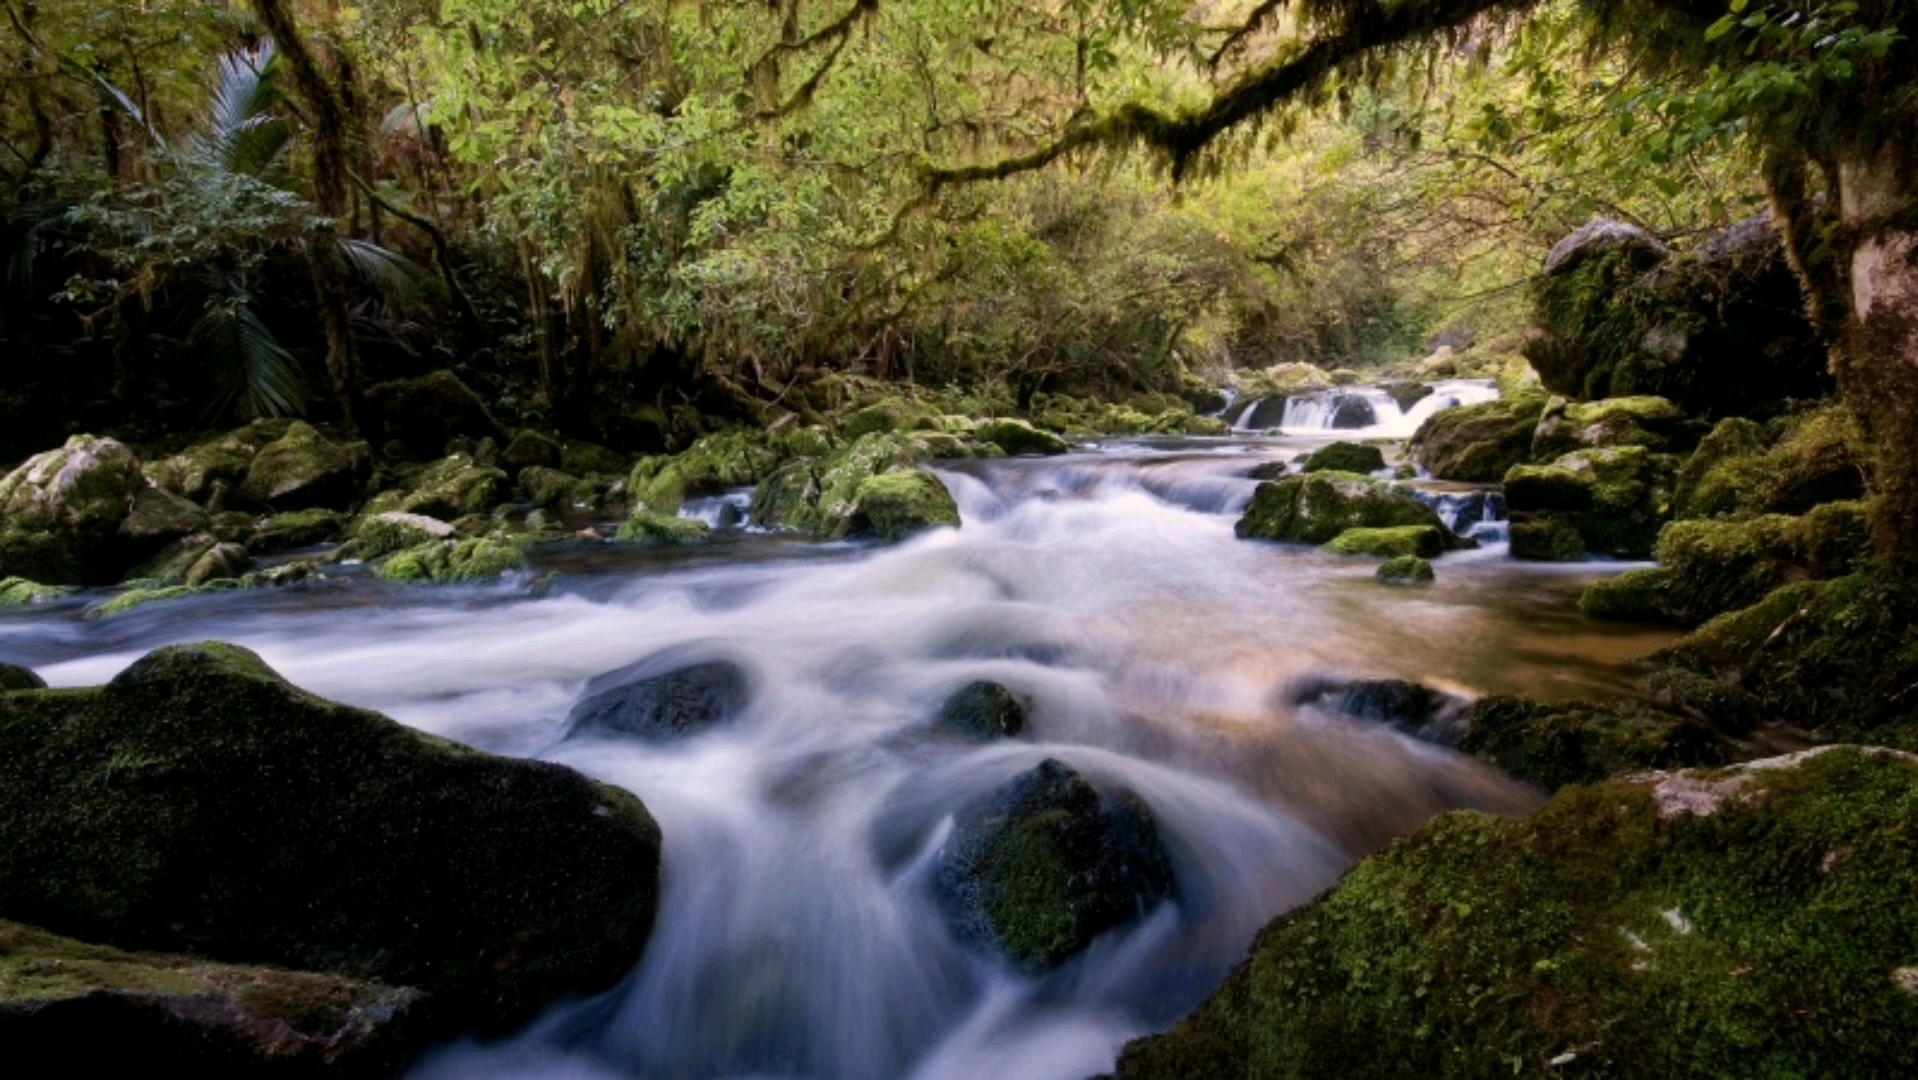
(797, 935)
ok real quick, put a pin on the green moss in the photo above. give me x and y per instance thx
(304, 469)
(1651, 422)
(160, 515)
(185, 806)
(1742, 923)
(385, 533)
(302, 528)
(1554, 744)
(549, 489)
(137, 598)
(1626, 492)
(1546, 538)
(1634, 596)
(1397, 542)
(196, 471)
(897, 504)
(1787, 466)
(1345, 457)
(1019, 437)
(449, 562)
(648, 527)
(1406, 570)
(19, 592)
(455, 486)
(590, 459)
(1478, 443)
(712, 465)
(13, 677)
(1547, 487)
(1316, 508)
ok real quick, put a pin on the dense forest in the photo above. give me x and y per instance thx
(1434, 479)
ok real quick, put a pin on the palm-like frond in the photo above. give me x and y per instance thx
(402, 283)
(243, 136)
(254, 375)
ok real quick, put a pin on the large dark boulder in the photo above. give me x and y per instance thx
(1414, 708)
(426, 413)
(1478, 443)
(1746, 922)
(1719, 328)
(1045, 864)
(303, 469)
(1351, 411)
(666, 696)
(982, 711)
(200, 804)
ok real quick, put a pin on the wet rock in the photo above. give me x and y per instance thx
(711, 466)
(982, 711)
(58, 996)
(1547, 487)
(823, 496)
(1651, 422)
(1352, 411)
(1267, 413)
(1345, 457)
(582, 458)
(302, 528)
(1558, 743)
(195, 471)
(1039, 868)
(61, 514)
(1407, 394)
(218, 561)
(1418, 710)
(426, 413)
(1785, 466)
(1625, 492)
(662, 698)
(549, 489)
(200, 804)
(531, 449)
(13, 677)
(1545, 538)
(455, 486)
(1018, 437)
(158, 517)
(384, 534)
(19, 592)
(303, 469)
(1424, 541)
(1478, 443)
(1405, 570)
(895, 505)
(445, 562)
(644, 526)
(1737, 898)
(1315, 508)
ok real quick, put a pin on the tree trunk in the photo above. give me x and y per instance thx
(1876, 355)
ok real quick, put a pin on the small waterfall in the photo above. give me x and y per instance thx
(726, 511)
(1363, 412)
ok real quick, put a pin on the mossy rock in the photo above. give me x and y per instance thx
(1018, 437)
(1836, 658)
(1406, 394)
(1552, 744)
(455, 486)
(548, 489)
(1625, 492)
(644, 526)
(158, 516)
(1316, 508)
(1745, 922)
(303, 469)
(1786, 466)
(1345, 457)
(1547, 487)
(301, 528)
(591, 459)
(1039, 868)
(1651, 422)
(191, 804)
(204, 468)
(1478, 443)
(709, 467)
(820, 496)
(895, 505)
(1424, 541)
(58, 996)
(531, 449)
(442, 562)
(427, 413)
(1406, 570)
(662, 698)
(14, 677)
(19, 592)
(981, 711)
(62, 512)
(384, 534)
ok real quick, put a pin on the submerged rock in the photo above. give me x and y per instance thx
(662, 697)
(96, 1009)
(198, 803)
(1753, 921)
(1317, 507)
(983, 711)
(1045, 864)
(18, 592)
(1418, 710)
(1345, 457)
(1405, 570)
(1478, 443)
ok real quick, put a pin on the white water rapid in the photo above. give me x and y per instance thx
(797, 937)
(1359, 412)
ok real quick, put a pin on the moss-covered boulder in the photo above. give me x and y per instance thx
(1042, 866)
(304, 469)
(62, 512)
(1609, 501)
(384, 534)
(1553, 744)
(1651, 422)
(301, 528)
(1719, 328)
(454, 487)
(663, 697)
(1785, 466)
(1707, 567)
(1425, 541)
(548, 489)
(530, 449)
(1837, 658)
(1406, 394)
(158, 517)
(1478, 443)
(1746, 922)
(19, 592)
(646, 527)
(1405, 570)
(101, 1011)
(1018, 437)
(198, 803)
(1315, 508)
(14, 677)
(444, 562)
(1345, 457)
(427, 413)
(583, 458)
(895, 505)
(709, 467)
(201, 470)
(981, 711)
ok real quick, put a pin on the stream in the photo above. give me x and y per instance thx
(797, 935)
